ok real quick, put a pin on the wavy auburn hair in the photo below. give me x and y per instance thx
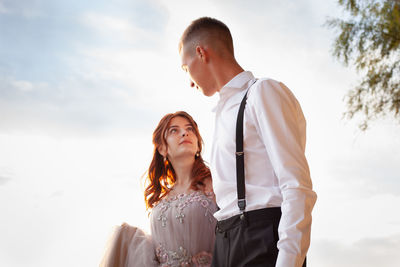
(161, 175)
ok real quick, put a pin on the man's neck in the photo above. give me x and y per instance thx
(226, 71)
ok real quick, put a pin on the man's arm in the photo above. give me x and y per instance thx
(281, 125)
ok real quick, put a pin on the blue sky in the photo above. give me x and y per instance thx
(84, 83)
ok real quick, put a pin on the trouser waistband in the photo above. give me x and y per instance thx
(273, 214)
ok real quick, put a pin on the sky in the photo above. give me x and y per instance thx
(83, 84)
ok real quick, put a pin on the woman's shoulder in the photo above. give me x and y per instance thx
(208, 185)
(208, 189)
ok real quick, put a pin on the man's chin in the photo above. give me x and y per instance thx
(207, 92)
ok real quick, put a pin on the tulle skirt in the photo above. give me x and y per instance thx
(129, 246)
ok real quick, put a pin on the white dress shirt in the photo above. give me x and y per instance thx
(276, 170)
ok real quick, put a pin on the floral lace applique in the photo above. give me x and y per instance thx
(181, 201)
(163, 205)
(202, 259)
(170, 258)
(182, 258)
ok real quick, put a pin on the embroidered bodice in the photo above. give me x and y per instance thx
(183, 229)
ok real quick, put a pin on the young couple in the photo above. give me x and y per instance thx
(256, 208)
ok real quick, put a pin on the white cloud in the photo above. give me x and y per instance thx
(78, 105)
(22, 85)
(344, 216)
(4, 179)
(26, 8)
(71, 191)
(3, 9)
(367, 252)
(120, 30)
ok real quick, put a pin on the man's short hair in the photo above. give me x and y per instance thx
(208, 28)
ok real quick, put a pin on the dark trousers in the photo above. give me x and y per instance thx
(248, 240)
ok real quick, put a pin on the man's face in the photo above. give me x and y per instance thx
(196, 66)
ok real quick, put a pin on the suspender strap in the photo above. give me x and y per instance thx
(240, 177)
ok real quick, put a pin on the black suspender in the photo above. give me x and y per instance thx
(240, 178)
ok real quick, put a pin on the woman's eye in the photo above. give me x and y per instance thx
(190, 129)
(172, 131)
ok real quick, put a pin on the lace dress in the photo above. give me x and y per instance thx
(182, 234)
(183, 229)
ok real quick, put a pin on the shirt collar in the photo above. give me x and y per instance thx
(237, 84)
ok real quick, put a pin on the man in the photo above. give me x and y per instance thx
(274, 228)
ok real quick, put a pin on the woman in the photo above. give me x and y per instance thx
(179, 196)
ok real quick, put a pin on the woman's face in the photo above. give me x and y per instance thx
(181, 139)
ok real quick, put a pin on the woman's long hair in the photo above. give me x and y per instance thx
(161, 175)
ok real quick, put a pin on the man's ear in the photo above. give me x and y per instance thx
(202, 53)
(162, 150)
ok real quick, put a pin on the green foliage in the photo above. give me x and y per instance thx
(370, 39)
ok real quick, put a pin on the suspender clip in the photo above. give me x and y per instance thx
(242, 204)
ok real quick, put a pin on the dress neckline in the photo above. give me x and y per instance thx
(208, 194)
